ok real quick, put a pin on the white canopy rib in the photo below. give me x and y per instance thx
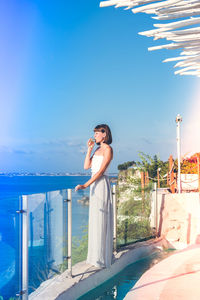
(187, 39)
(194, 12)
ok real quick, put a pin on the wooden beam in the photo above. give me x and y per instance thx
(171, 174)
(198, 169)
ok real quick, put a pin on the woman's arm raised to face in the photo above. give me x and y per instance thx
(88, 158)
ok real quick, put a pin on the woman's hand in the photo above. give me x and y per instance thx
(90, 144)
(80, 187)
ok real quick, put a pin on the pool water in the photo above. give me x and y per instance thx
(119, 285)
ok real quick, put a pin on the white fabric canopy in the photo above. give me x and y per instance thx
(187, 11)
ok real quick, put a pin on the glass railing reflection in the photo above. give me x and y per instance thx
(9, 251)
(80, 211)
(44, 235)
(47, 245)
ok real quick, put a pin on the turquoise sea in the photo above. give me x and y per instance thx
(11, 188)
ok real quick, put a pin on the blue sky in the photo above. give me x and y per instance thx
(66, 66)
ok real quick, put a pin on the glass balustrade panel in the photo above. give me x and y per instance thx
(47, 245)
(80, 212)
(135, 213)
(9, 248)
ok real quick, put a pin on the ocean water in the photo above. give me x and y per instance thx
(11, 188)
(14, 186)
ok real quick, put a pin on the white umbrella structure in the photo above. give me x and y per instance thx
(183, 33)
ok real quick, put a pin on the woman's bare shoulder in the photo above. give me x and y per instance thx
(108, 149)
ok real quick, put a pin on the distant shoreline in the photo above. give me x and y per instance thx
(50, 174)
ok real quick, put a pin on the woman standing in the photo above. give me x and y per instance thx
(100, 232)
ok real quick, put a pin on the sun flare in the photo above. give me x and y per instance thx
(191, 125)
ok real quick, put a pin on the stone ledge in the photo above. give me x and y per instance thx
(176, 277)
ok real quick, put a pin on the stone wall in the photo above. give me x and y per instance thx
(179, 217)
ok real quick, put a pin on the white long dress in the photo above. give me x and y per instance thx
(100, 231)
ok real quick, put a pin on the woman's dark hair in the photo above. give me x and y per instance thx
(105, 128)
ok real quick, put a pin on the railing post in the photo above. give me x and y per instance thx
(64, 195)
(114, 218)
(178, 139)
(23, 293)
(142, 186)
(25, 248)
(69, 202)
(156, 208)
